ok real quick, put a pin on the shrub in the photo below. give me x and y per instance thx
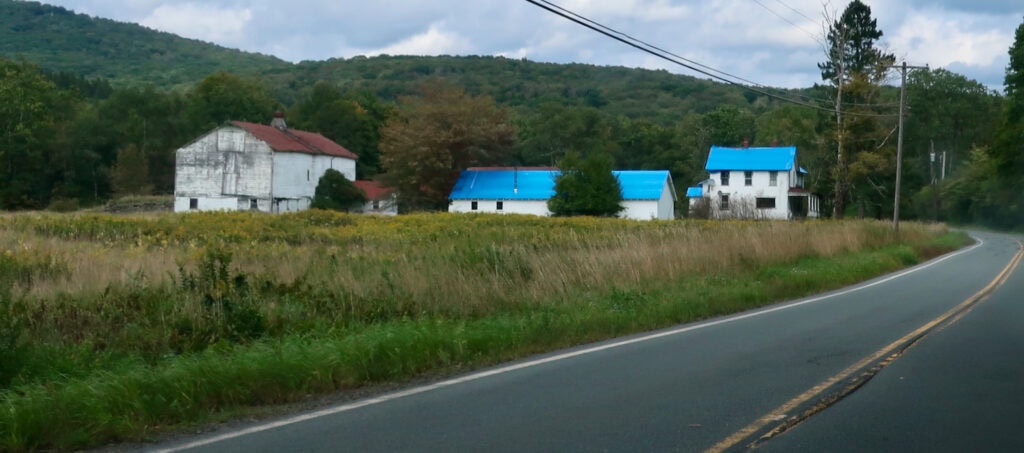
(335, 192)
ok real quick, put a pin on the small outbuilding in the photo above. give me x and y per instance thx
(646, 194)
(380, 199)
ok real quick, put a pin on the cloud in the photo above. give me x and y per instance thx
(204, 22)
(768, 41)
(434, 41)
(944, 40)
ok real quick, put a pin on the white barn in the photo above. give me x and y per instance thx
(248, 166)
(646, 194)
(761, 183)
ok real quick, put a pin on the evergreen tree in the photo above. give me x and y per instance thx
(1009, 148)
(853, 59)
(586, 187)
(336, 193)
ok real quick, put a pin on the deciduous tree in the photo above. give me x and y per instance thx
(586, 187)
(436, 135)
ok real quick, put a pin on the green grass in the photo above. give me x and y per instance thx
(132, 399)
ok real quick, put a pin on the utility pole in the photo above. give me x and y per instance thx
(899, 144)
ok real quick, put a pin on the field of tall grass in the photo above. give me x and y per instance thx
(117, 328)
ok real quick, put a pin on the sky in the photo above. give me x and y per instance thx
(770, 42)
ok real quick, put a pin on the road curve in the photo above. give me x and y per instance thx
(694, 387)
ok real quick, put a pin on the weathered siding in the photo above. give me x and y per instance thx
(227, 163)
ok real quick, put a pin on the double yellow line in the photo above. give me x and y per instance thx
(889, 353)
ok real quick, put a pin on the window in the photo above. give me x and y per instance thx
(499, 205)
(472, 205)
(254, 204)
(193, 203)
(725, 177)
(773, 178)
(307, 175)
(765, 203)
(376, 204)
(724, 205)
(748, 178)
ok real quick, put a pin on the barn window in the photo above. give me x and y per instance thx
(725, 177)
(773, 178)
(724, 205)
(193, 203)
(765, 203)
(254, 204)
(748, 178)
(499, 205)
(472, 205)
(376, 204)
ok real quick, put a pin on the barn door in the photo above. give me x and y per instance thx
(231, 172)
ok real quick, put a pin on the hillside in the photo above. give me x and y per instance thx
(127, 54)
(659, 95)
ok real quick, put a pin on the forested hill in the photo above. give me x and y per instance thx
(60, 40)
(655, 95)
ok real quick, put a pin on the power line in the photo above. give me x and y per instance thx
(812, 35)
(794, 10)
(592, 24)
(681, 61)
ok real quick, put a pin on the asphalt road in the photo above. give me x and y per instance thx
(958, 387)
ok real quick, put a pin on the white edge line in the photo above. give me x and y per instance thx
(532, 363)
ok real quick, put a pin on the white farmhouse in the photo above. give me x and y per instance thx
(761, 183)
(646, 194)
(248, 166)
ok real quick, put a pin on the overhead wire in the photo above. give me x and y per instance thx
(681, 61)
(794, 24)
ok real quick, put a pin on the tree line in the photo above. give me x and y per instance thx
(67, 141)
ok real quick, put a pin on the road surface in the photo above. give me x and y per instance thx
(929, 359)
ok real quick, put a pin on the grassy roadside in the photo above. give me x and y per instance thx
(279, 342)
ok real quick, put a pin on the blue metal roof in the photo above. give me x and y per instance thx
(755, 159)
(694, 192)
(540, 184)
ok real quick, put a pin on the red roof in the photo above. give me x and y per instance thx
(374, 190)
(295, 141)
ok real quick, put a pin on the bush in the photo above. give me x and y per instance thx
(335, 192)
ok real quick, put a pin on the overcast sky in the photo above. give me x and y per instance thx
(771, 42)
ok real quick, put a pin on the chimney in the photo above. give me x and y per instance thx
(278, 121)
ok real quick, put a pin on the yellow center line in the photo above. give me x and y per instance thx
(781, 412)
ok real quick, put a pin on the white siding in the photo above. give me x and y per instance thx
(296, 176)
(639, 209)
(533, 207)
(384, 207)
(742, 198)
(222, 168)
(181, 204)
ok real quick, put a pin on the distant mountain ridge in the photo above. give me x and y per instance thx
(61, 40)
(126, 54)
